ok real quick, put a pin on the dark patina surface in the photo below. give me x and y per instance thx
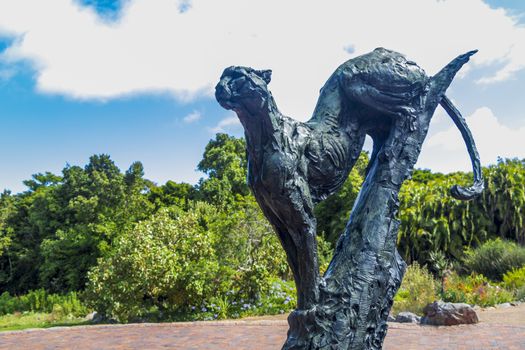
(292, 166)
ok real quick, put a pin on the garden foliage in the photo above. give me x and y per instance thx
(135, 249)
(417, 290)
(42, 301)
(475, 289)
(494, 258)
(181, 261)
(515, 280)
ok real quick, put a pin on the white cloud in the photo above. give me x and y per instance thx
(445, 151)
(226, 123)
(156, 47)
(192, 117)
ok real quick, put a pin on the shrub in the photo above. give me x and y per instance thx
(161, 262)
(417, 290)
(280, 298)
(475, 289)
(198, 264)
(249, 252)
(494, 258)
(515, 281)
(520, 294)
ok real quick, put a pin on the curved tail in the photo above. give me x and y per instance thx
(475, 190)
(438, 85)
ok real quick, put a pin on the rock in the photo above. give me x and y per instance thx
(95, 317)
(407, 317)
(448, 314)
(91, 316)
(504, 305)
(391, 319)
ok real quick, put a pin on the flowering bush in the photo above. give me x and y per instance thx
(279, 299)
(475, 289)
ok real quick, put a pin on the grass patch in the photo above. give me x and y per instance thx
(42, 301)
(417, 290)
(26, 320)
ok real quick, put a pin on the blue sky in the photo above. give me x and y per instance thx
(134, 79)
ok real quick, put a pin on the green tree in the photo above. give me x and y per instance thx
(99, 203)
(504, 198)
(224, 162)
(6, 207)
(62, 224)
(41, 180)
(333, 213)
(172, 193)
(433, 221)
(32, 217)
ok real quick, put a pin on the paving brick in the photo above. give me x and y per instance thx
(491, 334)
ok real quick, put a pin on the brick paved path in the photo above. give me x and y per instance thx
(498, 329)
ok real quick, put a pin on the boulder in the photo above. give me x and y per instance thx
(407, 317)
(95, 317)
(91, 316)
(504, 305)
(448, 314)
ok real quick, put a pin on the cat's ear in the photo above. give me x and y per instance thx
(265, 75)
